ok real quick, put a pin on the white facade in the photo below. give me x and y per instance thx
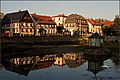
(59, 61)
(72, 27)
(60, 19)
(21, 28)
(50, 29)
(94, 28)
(26, 28)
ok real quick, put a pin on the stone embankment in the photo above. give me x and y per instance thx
(42, 39)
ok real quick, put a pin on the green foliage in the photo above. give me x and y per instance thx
(107, 30)
(116, 25)
(59, 29)
(117, 20)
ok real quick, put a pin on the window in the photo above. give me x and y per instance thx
(59, 24)
(25, 17)
(30, 30)
(58, 62)
(26, 30)
(13, 24)
(66, 25)
(26, 24)
(21, 24)
(22, 30)
(51, 31)
(59, 19)
(72, 25)
(29, 24)
(72, 56)
(17, 24)
(48, 31)
(16, 30)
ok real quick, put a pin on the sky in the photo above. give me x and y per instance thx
(88, 9)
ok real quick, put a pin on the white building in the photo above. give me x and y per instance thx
(45, 25)
(76, 24)
(59, 19)
(94, 26)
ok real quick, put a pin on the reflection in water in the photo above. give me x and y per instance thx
(95, 66)
(116, 60)
(23, 65)
(74, 60)
(96, 62)
(1, 66)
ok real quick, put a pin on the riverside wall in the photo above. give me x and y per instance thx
(41, 39)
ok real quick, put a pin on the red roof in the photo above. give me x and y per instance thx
(59, 15)
(43, 19)
(93, 22)
(106, 23)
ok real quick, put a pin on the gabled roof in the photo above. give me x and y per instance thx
(77, 16)
(59, 15)
(43, 19)
(96, 35)
(93, 22)
(14, 17)
(73, 18)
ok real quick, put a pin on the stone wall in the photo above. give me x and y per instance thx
(40, 39)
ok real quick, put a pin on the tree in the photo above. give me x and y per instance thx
(107, 30)
(60, 29)
(117, 20)
(116, 25)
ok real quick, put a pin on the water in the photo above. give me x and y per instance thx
(57, 63)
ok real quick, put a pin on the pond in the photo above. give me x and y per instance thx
(58, 63)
